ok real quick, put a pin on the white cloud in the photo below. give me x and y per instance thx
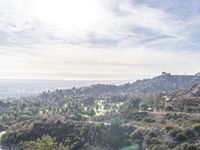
(94, 40)
(78, 62)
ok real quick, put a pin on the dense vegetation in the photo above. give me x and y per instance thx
(146, 114)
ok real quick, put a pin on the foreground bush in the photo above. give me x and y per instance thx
(44, 143)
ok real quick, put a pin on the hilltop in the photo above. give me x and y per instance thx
(163, 83)
(159, 84)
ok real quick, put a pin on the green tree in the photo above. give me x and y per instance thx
(44, 143)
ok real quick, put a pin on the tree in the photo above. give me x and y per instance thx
(44, 143)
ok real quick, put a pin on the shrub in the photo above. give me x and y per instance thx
(149, 120)
(147, 140)
(154, 141)
(187, 146)
(192, 147)
(157, 147)
(151, 140)
(44, 143)
(181, 137)
(136, 135)
(152, 134)
(196, 127)
(188, 132)
(168, 128)
(174, 132)
(168, 108)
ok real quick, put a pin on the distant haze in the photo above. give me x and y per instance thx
(18, 88)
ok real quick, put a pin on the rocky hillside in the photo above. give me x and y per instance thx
(186, 100)
(163, 83)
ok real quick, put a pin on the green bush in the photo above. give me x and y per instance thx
(157, 147)
(168, 128)
(188, 132)
(169, 108)
(136, 135)
(173, 132)
(147, 139)
(151, 140)
(154, 141)
(149, 120)
(181, 137)
(44, 143)
(152, 134)
(196, 127)
(187, 146)
(192, 147)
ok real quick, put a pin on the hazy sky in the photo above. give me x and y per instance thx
(98, 39)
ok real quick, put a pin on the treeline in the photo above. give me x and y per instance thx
(74, 108)
(68, 135)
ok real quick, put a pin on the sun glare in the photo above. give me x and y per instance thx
(68, 14)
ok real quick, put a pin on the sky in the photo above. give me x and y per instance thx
(98, 39)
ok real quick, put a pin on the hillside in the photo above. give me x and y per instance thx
(10, 88)
(186, 100)
(148, 114)
(163, 83)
